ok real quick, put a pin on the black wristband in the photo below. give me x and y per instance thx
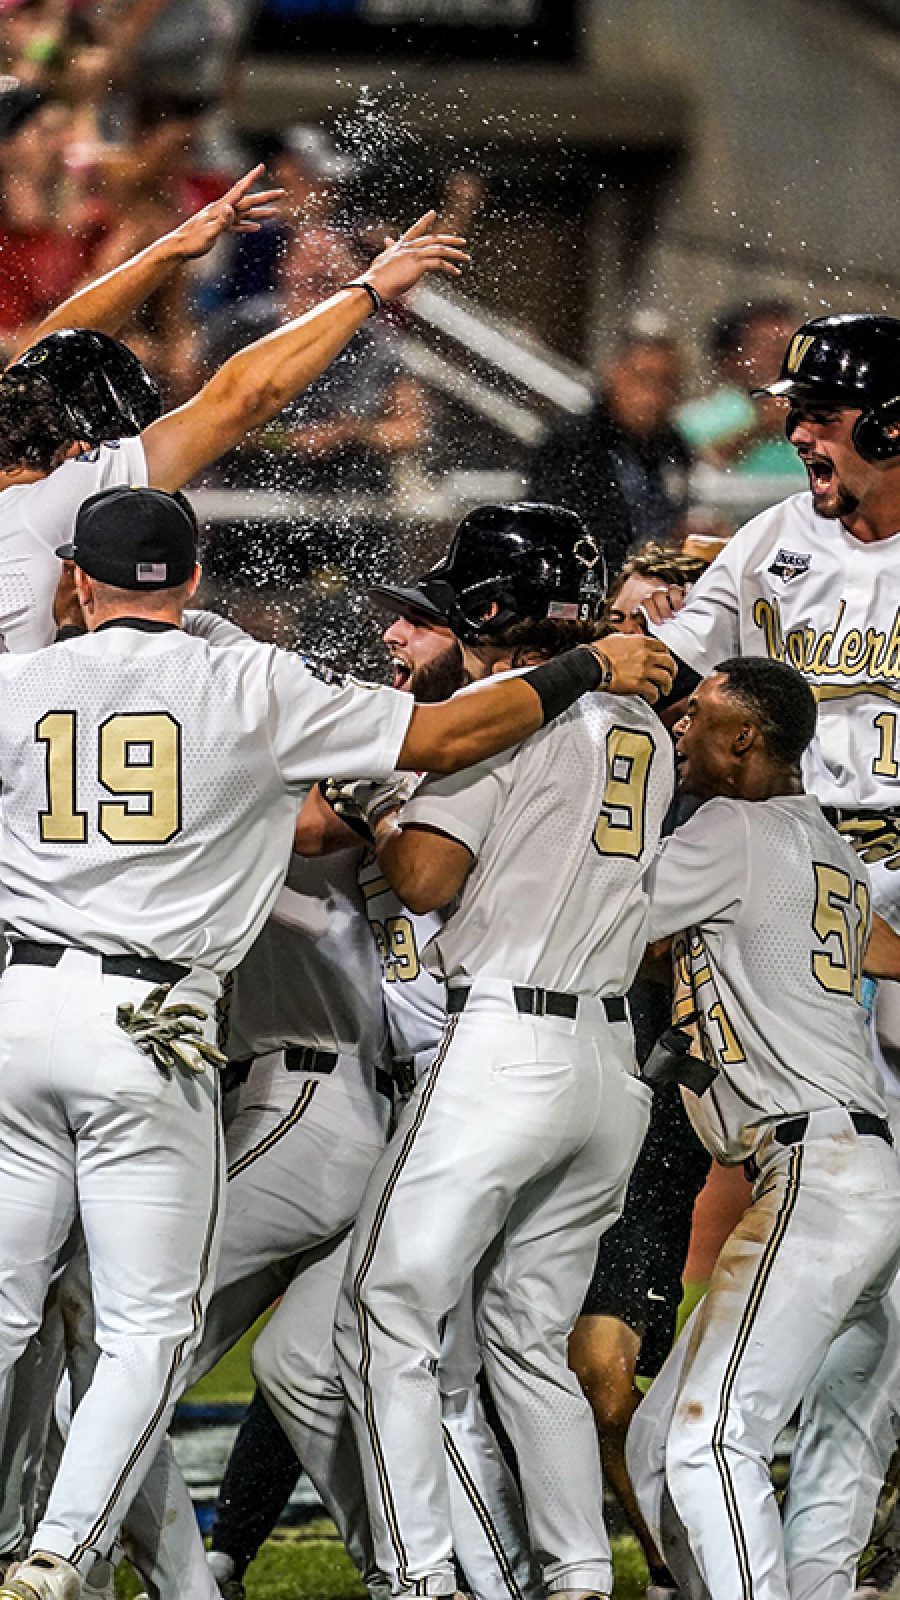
(562, 681)
(371, 291)
(685, 682)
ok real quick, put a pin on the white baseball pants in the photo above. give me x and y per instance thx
(88, 1122)
(512, 1158)
(295, 1366)
(299, 1148)
(804, 1277)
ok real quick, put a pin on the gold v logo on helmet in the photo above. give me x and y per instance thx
(799, 346)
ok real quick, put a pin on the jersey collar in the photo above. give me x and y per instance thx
(143, 624)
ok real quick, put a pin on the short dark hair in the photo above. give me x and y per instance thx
(779, 700)
(32, 428)
(552, 635)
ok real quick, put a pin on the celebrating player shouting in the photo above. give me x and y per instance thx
(514, 1152)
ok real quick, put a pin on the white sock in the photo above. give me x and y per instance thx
(221, 1566)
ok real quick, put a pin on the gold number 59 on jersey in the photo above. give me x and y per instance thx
(138, 759)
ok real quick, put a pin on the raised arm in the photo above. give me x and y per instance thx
(259, 381)
(496, 713)
(108, 303)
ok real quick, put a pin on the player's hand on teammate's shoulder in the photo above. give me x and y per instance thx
(237, 211)
(417, 251)
(661, 603)
(640, 664)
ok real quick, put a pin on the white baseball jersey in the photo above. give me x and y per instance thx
(35, 518)
(313, 976)
(799, 588)
(150, 784)
(776, 908)
(414, 1000)
(562, 829)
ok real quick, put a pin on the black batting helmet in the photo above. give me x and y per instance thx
(849, 361)
(532, 560)
(100, 388)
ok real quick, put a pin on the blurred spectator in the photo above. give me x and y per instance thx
(623, 466)
(49, 230)
(726, 427)
(355, 423)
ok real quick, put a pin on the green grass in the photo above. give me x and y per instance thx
(231, 1381)
(311, 1565)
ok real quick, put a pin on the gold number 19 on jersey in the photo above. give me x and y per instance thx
(138, 757)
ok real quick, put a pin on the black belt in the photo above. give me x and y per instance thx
(146, 969)
(302, 1058)
(541, 1003)
(794, 1130)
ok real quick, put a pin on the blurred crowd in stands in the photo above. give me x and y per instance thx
(115, 119)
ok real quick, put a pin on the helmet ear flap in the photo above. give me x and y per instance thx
(876, 433)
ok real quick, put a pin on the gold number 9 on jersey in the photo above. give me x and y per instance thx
(138, 756)
(620, 827)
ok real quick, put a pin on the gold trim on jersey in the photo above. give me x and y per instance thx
(374, 888)
(692, 971)
(850, 691)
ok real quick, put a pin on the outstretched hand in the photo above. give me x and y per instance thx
(640, 664)
(238, 211)
(419, 250)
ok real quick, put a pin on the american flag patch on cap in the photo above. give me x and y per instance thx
(151, 572)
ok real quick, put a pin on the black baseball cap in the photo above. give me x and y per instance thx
(413, 600)
(134, 538)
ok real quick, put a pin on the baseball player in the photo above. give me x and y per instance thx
(514, 1151)
(816, 581)
(776, 912)
(150, 786)
(627, 1322)
(304, 1393)
(305, 1123)
(49, 411)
